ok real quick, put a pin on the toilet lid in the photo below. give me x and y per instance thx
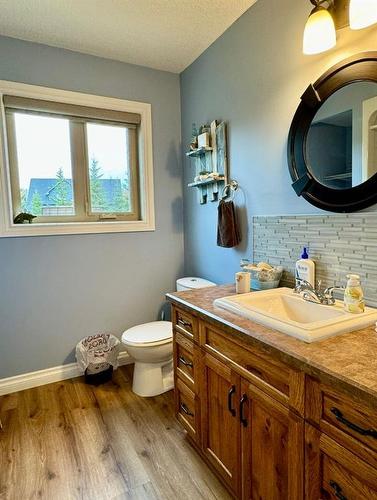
(193, 282)
(148, 333)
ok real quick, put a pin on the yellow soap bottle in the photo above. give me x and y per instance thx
(353, 295)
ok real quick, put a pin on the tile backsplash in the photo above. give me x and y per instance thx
(339, 244)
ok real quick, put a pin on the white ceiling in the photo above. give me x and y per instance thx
(162, 34)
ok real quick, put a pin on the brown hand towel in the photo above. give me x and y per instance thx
(228, 234)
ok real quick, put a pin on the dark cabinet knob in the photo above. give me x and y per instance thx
(364, 432)
(337, 490)
(231, 391)
(184, 323)
(243, 420)
(186, 410)
(184, 362)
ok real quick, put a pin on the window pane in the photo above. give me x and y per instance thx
(44, 165)
(108, 168)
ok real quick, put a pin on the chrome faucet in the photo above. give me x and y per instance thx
(309, 293)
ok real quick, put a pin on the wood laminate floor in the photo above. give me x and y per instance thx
(69, 440)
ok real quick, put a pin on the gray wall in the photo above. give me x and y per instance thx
(55, 290)
(252, 77)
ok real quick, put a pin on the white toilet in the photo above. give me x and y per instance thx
(151, 346)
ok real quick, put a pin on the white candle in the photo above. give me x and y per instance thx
(242, 282)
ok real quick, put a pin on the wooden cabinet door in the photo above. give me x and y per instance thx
(272, 439)
(333, 472)
(220, 394)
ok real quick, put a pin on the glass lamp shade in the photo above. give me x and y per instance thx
(319, 33)
(363, 13)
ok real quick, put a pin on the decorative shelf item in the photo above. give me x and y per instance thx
(211, 167)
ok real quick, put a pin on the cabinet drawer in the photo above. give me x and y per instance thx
(185, 323)
(337, 481)
(186, 360)
(332, 472)
(274, 377)
(187, 409)
(349, 421)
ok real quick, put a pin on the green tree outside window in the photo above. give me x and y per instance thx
(36, 204)
(61, 190)
(97, 195)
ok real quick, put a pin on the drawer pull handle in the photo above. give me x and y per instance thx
(186, 410)
(243, 420)
(337, 490)
(184, 362)
(184, 323)
(364, 432)
(231, 391)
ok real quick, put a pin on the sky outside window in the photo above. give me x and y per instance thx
(108, 167)
(43, 147)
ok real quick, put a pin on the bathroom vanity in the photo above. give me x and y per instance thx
(274, 417)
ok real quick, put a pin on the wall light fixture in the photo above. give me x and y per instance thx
(329, 15)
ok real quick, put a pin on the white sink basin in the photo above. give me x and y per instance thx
(287, 312)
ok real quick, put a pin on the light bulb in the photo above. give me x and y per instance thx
(363, 13)
(319, 33)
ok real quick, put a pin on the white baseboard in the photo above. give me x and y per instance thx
(49, 375)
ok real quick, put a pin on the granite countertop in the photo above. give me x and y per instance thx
(348, 360)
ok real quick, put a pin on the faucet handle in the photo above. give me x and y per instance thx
(329, 292)
(331, 289)
(301, 285)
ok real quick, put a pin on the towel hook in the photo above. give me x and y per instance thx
(229, 190)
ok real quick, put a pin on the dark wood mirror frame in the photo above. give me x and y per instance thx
(360, 67)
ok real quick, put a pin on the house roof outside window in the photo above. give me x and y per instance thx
(46, 189)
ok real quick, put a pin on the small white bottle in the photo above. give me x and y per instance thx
(305, 269)
(353, 295)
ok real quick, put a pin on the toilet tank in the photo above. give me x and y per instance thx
(191, 283)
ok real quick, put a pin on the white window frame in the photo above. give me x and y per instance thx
(145, 155)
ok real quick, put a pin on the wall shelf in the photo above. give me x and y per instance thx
(211, 160)
(195, 153)
(205, 182)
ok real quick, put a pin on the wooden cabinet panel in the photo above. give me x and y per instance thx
(274, 377)
(220, 424)
(272, 448)
(333, 472)
(187, 409)
(351, 422)
(185, 323)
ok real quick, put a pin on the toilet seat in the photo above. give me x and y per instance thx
(148, 334)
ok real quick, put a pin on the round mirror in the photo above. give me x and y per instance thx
(332, 144)
(341, 144)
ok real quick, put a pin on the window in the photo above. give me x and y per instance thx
(76, 168)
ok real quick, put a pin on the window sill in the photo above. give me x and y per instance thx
(51, 229)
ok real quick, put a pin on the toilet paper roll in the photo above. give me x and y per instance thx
(242, 282)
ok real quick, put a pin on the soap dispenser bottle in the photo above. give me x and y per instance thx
(305, 268)
(353, 295)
